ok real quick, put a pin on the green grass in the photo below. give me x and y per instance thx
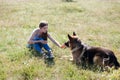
(96, 22)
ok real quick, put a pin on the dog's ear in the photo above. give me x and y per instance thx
(70, 38)
(74, 34)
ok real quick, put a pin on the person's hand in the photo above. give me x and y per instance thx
(32, 42)
(43, 41)
(63, 46)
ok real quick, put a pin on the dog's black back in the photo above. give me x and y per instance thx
(103, 53)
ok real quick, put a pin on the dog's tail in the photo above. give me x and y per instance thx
(117, 64)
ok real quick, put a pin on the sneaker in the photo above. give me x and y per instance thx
(46, 56)
(51, 56)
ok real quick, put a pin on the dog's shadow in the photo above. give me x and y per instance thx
(83, 65)
(90, 67)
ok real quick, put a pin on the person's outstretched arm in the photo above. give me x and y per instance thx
(54, 41)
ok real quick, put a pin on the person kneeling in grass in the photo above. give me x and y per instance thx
(38, 39)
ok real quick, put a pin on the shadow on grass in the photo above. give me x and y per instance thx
(90, 67)
(69, 1)
(48, 62)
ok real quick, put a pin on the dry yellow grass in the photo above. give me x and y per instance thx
(96, 22)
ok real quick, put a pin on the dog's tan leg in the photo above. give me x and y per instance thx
(98, 61)
(106, 61)
(75, 59)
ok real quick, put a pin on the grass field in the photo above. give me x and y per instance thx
(97, 23)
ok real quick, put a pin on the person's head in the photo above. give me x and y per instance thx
(43, 26)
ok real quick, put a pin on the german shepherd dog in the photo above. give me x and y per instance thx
(84, 54)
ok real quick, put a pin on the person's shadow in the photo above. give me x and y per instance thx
(48, 61)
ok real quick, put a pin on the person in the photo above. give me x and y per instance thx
(39, 40)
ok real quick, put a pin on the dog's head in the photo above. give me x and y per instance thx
(73, 41)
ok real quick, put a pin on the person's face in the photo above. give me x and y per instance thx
(44, 29)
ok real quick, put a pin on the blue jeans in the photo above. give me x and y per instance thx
(38, 46)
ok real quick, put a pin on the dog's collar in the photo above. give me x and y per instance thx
(75, 49)
(83, 51)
